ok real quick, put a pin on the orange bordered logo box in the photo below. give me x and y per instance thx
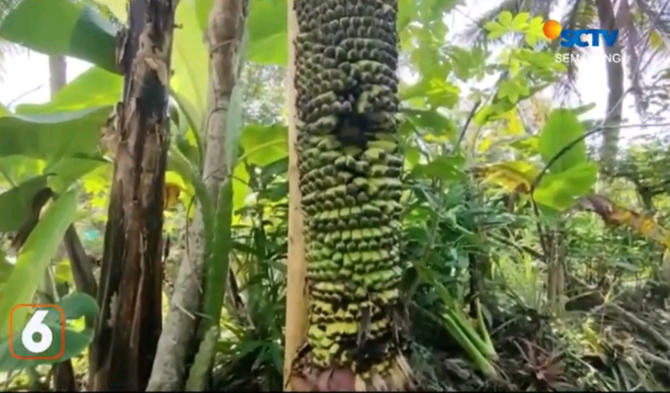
(29, 347)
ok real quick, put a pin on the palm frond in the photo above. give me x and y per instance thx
(645, 27)
(654, 21)
(542, 8)
(631, 39)
(659, 16)
(581, 14)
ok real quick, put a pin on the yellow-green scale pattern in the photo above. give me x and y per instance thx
(350, 166)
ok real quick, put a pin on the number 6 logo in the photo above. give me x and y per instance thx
(37, 337)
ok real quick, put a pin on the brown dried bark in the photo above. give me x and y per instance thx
(129, 323)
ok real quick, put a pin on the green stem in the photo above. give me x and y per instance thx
(186, 170)
(461, 320)
(486, 337)
(454, 312)
(457, 332)
(218, 263)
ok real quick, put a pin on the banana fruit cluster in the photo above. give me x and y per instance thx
(350, 167)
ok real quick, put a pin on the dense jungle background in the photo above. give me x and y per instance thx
(534, 246)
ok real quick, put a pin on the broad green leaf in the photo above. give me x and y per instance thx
(562, 129)
(437, 8)
(561, 190)
(62, 27)
(446, 168)
(16, 203)
(514, 124)
(531, 40)
(412, 156)
(241, 187)
(52, 136)
(188, 148)
(515, 176)
(63, 271)
(465, 63)
(74, 306)
(94, 88)
(406, 13)
(500, 107)
(429, 122)
(77, 305)
(495, 29)
(190, 63)
(513, 89)
(435, 91)
(75, 344)
(535, 32)
(264, 144)
(5, 268)
(505, 19)
(70, 169)
(34, 257)
(202, 9)
(492, 26)
(97, 181)
(268, 34)
(520, 21)
(16, 169)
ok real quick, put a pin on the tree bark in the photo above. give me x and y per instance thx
(224, 35)
(129, 323)
(64, 377)
(615, 96)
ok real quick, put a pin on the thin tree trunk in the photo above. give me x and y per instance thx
(129, 323)
(80, 262)
(63, 373)
(224, 34)
(615, 76)
(296, 301)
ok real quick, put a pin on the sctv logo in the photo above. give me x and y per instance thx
(580, 38)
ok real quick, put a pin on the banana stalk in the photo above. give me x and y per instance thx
(475, 341)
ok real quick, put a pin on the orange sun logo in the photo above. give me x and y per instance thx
(551, 29)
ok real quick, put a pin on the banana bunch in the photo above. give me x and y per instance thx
(350, 167)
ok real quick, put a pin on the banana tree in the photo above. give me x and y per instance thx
(187, 108)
